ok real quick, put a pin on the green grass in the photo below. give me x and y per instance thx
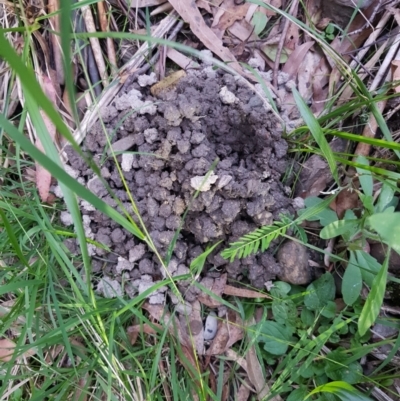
(73, 344)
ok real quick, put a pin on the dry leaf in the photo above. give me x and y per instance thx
(217, 288)
(167, 83)
(43, 176)
(6, 349)
(146, 3)
(191, 15)
(292, 64)
(230, 330)
(396, 74)
(231, 13)
(244, 292)
(243, 393)
(256, 377)
(194, 327)
(133, 331)
(181, 60)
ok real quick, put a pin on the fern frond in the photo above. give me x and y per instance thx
(258, 239)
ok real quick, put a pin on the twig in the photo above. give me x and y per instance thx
(98, 56)
(293, 7)
(110, 43)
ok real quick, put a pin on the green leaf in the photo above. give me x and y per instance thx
(259, 21)
(369, 266)
(325, 216)
(365, 176)
(280, 289)
(343, 390)
(198, 262)
(352, 281)
(298, 394)
(374, 300)
(320, 292)
(317, 132)
(330, 310)
(271, 52)
(276, 337)
(385, 197)
(338, 228)
(307, 317)
(284, 311)
(387, 225)
(350, 373)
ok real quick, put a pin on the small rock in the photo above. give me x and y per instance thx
(226, 96)
(123, 144)
(293, 259)
(96, 186)
(150, 135)
(147, 80)
(127, 161)
(66, 219)
(136, 253)
(202, 184)
(109, 288)
(123, 264)
(210, 327)
(184, 308)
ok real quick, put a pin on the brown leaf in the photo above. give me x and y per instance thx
(133, 331)
(217, 288)
(231, 13)
(230, 330)
(292, 64)
(244, 292)
(256, 375)
(191, 15)
(43, 176)
(146, 3)
(6, 349)
(347, 199)
(194, 327)
(396, 74)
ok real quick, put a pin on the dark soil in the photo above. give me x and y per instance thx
(186, 131)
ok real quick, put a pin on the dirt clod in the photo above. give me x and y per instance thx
(207, 122)
(293, 259)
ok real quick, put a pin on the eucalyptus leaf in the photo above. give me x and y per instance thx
(352, 281)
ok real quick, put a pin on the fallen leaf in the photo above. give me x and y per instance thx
(181, 60)
(43, 176)
(146, 3)
(231, 13)
(271, 51)
(133, 331)
(243, 393)
(167, 83)
(346, 200)
(230, 330)
(6, 349)
(244, 292)
(194, 327)
(256, 376)
(217, 288)
(292, 64)
(396, 74)
(191, 15)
